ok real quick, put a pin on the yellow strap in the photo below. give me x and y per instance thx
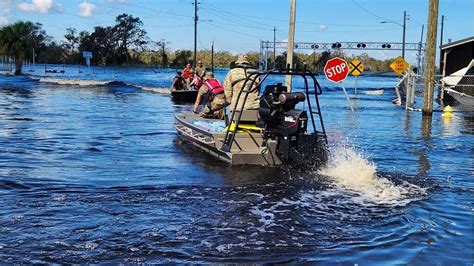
(250, 127)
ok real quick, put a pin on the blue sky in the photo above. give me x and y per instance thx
(238, 25)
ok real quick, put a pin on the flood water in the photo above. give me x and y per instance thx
(91, 172)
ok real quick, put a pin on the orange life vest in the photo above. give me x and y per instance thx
(213, 86)
(186, 74)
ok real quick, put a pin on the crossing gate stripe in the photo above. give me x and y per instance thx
(356, 67)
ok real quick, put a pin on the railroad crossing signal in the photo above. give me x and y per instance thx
(399, 65)
(356, 67)
(336, 70)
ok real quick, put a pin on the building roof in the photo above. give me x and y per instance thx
(457, 43)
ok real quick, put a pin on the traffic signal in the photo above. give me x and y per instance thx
(361, 45)
(336, 45)
(386, 45)
(314, 46)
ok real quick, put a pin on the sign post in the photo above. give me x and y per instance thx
(336, 70)
(356, 67)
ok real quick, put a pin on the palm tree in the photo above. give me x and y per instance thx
(16, 39)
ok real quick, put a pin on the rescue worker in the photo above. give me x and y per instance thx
(179, 83)
(200, 70)
(187, 73)
(214, 93)
(234, 82)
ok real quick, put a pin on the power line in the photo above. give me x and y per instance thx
(238, 32)
(157, 10)
(235, 21)
(367, 11)
(375, 30)
(246, 20)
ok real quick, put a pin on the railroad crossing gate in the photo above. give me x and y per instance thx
(356, 67)
(336, 69)
(399, 65)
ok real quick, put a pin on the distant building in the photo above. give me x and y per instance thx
(456, 55)
(457, 68)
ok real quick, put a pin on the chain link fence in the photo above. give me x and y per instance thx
(460, 88)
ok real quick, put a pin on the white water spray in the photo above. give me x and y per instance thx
(350, 170)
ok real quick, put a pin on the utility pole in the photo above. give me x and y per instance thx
(291, 42)
(430, 66)
(441, 63)
(420, 46)
(404, 31)
(195, 30)
(274, 46)
(212, 56)
(442, 30)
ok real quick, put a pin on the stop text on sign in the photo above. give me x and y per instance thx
(336, 69)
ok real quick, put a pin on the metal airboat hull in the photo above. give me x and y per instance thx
(247, 149)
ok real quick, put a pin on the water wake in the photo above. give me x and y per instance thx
(80, 82)
(350, 170)
(94, 83)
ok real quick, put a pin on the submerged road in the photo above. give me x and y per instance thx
(92, 172)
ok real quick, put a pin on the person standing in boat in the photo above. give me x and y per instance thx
(214, 93)
(234, 82)
(200, 70)
(179, 83)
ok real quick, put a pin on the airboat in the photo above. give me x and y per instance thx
(184, 96)
(275, 134)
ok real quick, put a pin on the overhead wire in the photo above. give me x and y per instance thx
(247, 21)
(231, 30)
(236, 22)
(367, 11)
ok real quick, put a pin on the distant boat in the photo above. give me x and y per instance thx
(374, 92)
(54, 71)
(184, 96)
(460, 85)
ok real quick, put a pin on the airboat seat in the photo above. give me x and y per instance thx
(248, 116)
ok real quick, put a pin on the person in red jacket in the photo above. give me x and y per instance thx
(188, 73)
(213, 91)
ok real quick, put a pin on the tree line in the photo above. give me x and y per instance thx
(127, 44)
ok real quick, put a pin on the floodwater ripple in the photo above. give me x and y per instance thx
(91, 171)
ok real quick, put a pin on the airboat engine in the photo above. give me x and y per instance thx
(282, 122)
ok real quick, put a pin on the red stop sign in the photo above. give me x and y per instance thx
(336, 69)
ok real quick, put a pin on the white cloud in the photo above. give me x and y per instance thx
(40, 6)
(86, 9)
(3, 21)
(6, 7)
(323, 27)
(116, 1)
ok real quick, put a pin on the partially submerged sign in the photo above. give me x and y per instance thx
(356, 67)
(87, 55)
(336, 69)
(399, 65)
